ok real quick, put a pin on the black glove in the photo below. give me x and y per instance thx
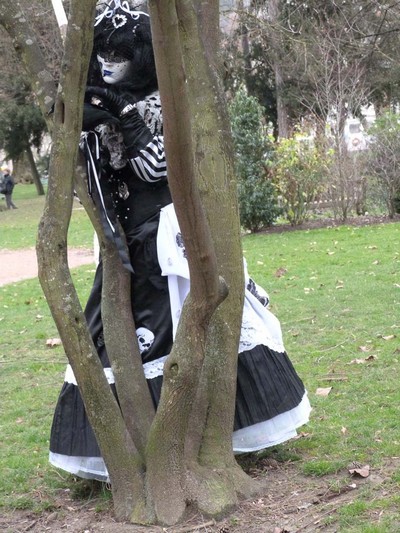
(110, 99)
(135, 132)
(94, 115)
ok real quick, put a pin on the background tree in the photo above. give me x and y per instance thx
(360, 37)
(21, 128)
(383, 160)
(333, 59)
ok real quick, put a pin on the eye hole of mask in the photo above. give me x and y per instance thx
(112, 57)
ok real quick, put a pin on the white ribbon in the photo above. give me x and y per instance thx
(92, 169)
(124, 6)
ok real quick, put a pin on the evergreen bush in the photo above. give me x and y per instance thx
(257, 195)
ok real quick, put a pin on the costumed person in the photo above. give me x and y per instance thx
(127, 175)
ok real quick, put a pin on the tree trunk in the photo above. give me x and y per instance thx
(121, 456)
(158, 470)
(201, 474)
(27, 47)
(274, 12)
(21, 169)
(34, 172)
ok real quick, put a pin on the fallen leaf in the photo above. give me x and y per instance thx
(363, 471)
(323, 391)
(53, 342)
(375, 262)
(280, 272)
(388, 337)
(343, 431)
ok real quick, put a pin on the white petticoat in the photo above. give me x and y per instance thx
(259, 327)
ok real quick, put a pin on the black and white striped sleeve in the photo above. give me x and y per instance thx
(149, 163)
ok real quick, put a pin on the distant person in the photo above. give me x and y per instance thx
(9, 187)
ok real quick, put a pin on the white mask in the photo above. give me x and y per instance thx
(114, 70)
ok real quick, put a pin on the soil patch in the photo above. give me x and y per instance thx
(17, 265)
(291, 503)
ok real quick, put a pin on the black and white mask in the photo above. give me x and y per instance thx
(113, 68)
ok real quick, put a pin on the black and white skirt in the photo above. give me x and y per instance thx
(271, 401)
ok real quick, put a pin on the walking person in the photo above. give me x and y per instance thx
(9, 184)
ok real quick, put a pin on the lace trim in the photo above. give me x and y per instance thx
(150, 110)
(259, 330)
(152, 369)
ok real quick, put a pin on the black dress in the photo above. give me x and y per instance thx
(271, 399)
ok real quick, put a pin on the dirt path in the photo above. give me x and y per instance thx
(17, 265)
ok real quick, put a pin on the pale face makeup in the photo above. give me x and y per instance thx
(113, 68)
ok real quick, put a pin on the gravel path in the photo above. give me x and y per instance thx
(17, 265)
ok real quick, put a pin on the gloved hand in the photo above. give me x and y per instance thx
(94, 115)
(135, 132)
(111, 100)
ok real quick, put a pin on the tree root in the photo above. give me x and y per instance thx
(217, 491)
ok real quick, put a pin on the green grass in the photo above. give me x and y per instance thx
(18, 227)
(338, 300)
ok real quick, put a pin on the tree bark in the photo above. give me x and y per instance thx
(118, 450)
(192, 101)
(274, 11)
(183, 368)
(27, 47)
(219, 194)
(34, 172)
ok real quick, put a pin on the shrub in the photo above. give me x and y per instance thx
(257, 195)
(299, 169)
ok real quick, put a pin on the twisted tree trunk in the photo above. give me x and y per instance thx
(161, 463)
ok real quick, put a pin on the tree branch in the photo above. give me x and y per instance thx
(27, 48)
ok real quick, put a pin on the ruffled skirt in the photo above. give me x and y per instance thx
(271, 401)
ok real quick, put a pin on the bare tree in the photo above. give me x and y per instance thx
(337, 89)
(42, 37)
(274, 15)
(383, 161)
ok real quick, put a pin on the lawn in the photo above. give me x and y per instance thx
(18, 227)
(337, 294)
